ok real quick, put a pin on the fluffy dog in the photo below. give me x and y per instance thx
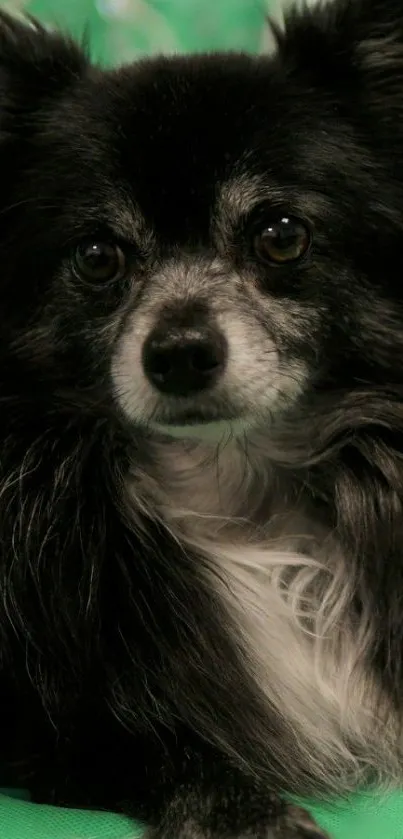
(201, 462)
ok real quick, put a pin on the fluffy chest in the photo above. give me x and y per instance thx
(286, 582)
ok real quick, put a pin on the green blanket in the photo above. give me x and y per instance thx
(366, 817)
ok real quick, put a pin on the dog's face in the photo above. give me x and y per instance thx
(203, 242)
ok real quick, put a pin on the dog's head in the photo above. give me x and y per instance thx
(210, 240)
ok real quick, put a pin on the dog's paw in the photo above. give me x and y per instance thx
(297, 823)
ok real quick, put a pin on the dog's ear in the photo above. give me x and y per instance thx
(35, 62)
(346, 43)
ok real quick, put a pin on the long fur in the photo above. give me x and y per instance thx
(201, 596)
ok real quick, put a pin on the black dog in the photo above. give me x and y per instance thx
(201, 414)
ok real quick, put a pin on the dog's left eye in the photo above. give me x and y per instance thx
(282, 241)
(99, 262)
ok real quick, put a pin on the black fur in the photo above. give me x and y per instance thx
(122, 683)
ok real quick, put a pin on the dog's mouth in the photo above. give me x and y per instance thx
(200, 424)
(192, 417)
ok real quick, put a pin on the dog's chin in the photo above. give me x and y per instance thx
(208, 431)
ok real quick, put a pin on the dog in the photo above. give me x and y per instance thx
(201, 392)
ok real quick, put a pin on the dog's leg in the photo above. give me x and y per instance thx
(233, 813)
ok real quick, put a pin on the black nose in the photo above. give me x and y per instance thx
(184, 360)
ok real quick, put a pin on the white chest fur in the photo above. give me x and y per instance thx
(287, 584)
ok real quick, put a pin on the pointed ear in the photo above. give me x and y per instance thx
(35, 63)
(346, 42)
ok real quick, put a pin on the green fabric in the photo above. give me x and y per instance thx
(19, 819)
(366, 817)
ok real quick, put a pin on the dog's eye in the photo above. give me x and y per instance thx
(282, 241)
(99, 262)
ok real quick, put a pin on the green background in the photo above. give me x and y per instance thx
(123, 29)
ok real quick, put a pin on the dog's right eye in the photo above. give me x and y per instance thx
(281, 241)
(99, 262)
